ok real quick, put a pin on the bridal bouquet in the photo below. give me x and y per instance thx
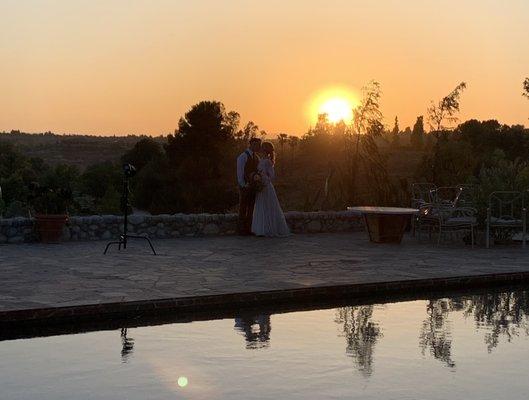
(256, 182)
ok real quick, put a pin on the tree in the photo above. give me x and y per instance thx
(396, 128)
(417, 134)
(249, 131)
(143, 152)
(526, 88)
(100, 188)
(395, 132)
(282, 138)
(446, 109)
(200, 159)
(363, 157)
(293, 142)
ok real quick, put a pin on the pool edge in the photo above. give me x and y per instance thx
(70, 314)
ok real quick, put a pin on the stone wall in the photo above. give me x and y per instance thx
(105, 227)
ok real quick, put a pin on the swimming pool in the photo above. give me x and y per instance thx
(473, 347)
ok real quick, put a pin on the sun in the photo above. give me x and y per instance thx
(337, 109)
(336, 102)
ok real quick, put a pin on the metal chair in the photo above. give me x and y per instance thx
(446, 218)
(467, 196)
(446, 195)
(421, 193)
(506, 211)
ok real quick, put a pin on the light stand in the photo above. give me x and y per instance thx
(129, 171)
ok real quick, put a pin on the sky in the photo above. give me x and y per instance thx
(135, 67)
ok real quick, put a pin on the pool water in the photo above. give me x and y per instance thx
(471, 347)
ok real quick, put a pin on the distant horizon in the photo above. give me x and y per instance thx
(121, 67)
(272, 135)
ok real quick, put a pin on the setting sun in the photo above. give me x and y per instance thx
(337, 103)
(337, 109)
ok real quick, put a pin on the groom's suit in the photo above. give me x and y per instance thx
(247, 164)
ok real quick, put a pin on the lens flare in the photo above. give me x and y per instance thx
(182, 381)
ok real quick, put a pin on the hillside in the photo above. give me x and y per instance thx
(78, 150)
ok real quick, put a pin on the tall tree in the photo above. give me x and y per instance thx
(446, 109)
(395, 132)
(417, 134)
(363, 157)
(143, 152)
(282, 138)
(293, 142)
(526, 88)
(200, 155)
(396, 128)
(249, 130)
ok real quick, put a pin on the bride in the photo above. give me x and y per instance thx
(268, 219)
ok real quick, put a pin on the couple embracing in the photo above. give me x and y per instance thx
(260, 213)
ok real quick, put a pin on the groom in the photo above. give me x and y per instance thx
(246, 168)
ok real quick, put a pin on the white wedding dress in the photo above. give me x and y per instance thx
(268, 218)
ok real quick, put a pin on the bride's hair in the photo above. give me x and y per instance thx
(268, 149)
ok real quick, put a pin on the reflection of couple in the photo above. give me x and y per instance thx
(256, 330)
(259, 209)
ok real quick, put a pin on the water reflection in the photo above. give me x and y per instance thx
(501, 314)
(256, 330)
(435, 333)
(127, 346)
(361, 334)
(498, 315)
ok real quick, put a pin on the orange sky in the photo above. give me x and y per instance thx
(119, 67)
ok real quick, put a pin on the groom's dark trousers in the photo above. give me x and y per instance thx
(246, 203)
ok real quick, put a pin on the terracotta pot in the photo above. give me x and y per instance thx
(49, 227)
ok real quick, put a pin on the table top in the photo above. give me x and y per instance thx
(383, 210)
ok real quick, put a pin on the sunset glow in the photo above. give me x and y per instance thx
(120, 67)
(337, 102)
(337, 109)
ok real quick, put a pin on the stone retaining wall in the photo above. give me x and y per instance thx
(105, 227)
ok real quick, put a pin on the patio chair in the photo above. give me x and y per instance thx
(506, 211)
(467, 195)
(447, 195)
(421, 193)
(445, 218)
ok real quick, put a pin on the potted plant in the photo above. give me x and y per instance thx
(50, 206)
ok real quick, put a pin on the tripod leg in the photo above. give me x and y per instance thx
(150, 244)
(108, 246)
(144, 238)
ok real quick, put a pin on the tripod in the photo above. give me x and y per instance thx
(123, 238)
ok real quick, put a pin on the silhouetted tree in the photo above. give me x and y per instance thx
(446, 109)
(417, 134)
(395, 132)
(526, 88)
(249, 131)
(143, 152)
(293, 142)
(362, 151)
(282, 139)
(200, 155)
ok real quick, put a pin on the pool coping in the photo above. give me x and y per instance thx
(193, 304)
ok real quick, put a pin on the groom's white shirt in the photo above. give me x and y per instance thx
(241, 162)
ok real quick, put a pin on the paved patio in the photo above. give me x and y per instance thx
(75, 274)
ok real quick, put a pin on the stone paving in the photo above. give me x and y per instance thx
(72, 274)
